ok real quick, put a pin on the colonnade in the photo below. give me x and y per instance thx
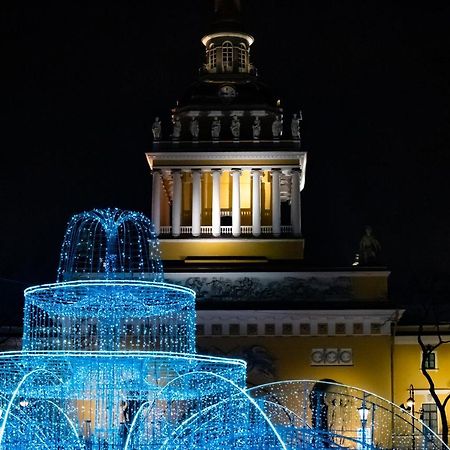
(236, 229)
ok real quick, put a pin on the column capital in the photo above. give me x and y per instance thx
(275, 169)
(256, 171)
(235, 171)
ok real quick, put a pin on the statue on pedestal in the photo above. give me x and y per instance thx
(215, 128)
(176, 128)
(256, 128)
(277, 127)
(235, 127)
(156, 129)
(295, 126)
(369, 249)
(194, 128)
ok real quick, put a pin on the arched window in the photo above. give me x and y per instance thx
(212, 57)
(242, 57)
(227, 56)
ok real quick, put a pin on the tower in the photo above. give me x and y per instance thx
(227, 186)
(226, 183)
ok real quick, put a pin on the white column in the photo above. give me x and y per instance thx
(215, 173)
(256, 202)
(236, 203)
(156, 200)
(196, 202)
(276, 202)
(295, 203)
(176, 203)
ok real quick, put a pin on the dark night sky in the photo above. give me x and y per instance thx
(82, 85)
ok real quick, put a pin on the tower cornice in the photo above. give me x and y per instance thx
(226, 34)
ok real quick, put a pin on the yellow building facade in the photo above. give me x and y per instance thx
(228, 175)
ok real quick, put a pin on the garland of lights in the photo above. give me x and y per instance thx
(109, 362)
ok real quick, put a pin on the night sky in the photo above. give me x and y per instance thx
(83, 83)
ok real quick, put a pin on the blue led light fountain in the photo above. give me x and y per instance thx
(109, 362)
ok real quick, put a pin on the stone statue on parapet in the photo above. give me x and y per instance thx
(235, 127)
(215, 128)
(369, 249)
(295, 125)
(176, 128)
(256, 128)
(156, 129)
(194, 128)
(277, 127)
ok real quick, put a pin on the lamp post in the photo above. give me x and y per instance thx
(363, 412)
(410, 404)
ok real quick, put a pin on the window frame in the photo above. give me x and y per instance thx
(227, 56)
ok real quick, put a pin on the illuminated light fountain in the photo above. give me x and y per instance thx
(109, 358)
(109, 362)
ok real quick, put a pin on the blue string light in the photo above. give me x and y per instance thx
(109, 362)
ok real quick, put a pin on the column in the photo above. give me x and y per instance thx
(196, 202)
(236, 203)
(215, 173)
(295, 203)
(156, 200)
(256, 202)
(276, 202)
(176, 203)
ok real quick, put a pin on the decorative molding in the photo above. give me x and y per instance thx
(273, 323)
(249, 155)
(331, 357)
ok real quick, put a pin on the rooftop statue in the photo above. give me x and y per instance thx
(369, 248)
(215, 128)
(277, 127)
(194, 128)
(156, 129)
(176, 128)
(256, 128)
(295, 126)
(235, 127)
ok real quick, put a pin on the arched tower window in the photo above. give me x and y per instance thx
(227, 56)
(212, 57)
(243, 56)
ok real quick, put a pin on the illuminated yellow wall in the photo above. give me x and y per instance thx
(371, 357)
(407, 360)
(180, 249)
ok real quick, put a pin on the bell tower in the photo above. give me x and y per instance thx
(227, 176)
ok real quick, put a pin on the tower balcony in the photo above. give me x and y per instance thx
(225, 231)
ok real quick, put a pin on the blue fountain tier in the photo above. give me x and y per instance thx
(81, 395)
(109, 315)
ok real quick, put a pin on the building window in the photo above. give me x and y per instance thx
(305, 329)
(340, 328)
(200, 329)
(212, 57)
(430, 416)
(322, 328)
(216, 329)
(269, 329)
(242, 57)
(234, 329)
(252, 329)
(287, 328)
(358, 328)
(430, 360)
(227, 56)
(375, 328)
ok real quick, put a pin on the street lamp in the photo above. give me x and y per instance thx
(363, 412)
(409, 406)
